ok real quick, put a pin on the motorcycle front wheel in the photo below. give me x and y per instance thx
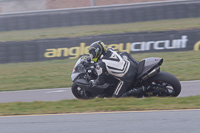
(164, 84)
(81, 93)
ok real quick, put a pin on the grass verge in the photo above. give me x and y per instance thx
(57, 73)
(99, 105)
(91, 30)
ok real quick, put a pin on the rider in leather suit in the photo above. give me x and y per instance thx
(120, 66)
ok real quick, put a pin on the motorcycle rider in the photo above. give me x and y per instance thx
(120, 66)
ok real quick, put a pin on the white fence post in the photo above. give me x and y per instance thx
(92, 2)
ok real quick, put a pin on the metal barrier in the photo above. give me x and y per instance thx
(100, 15)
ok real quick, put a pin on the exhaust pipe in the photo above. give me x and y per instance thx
(151, 74)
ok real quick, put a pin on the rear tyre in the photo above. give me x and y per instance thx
(164, 84)
(80, 93)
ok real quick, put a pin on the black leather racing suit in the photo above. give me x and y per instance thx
(118, 66)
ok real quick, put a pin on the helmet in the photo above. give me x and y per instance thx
(96, 49)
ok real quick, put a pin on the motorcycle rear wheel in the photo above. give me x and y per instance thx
(167, 83)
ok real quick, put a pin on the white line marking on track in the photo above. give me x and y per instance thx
(191, 81)
(85, 113)
(58, 91)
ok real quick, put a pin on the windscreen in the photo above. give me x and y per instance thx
(78, 68)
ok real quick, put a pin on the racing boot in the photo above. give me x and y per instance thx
(135, 92)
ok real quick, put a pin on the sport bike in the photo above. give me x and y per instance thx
(148, 75)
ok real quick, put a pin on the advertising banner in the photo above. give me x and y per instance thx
(72, 48)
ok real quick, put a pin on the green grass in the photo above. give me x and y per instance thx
(90, 30)
(57, 73)
(97, 105)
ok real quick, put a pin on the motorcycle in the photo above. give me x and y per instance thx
(156, 82)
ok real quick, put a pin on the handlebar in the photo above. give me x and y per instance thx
(88, 62)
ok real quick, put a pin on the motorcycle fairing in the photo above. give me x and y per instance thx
(147, 65)
(98, 90)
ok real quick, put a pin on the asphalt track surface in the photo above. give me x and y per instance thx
(185, 121)
(189, 88)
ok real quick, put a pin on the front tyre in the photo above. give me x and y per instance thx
(164, 84)
(81, 93)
